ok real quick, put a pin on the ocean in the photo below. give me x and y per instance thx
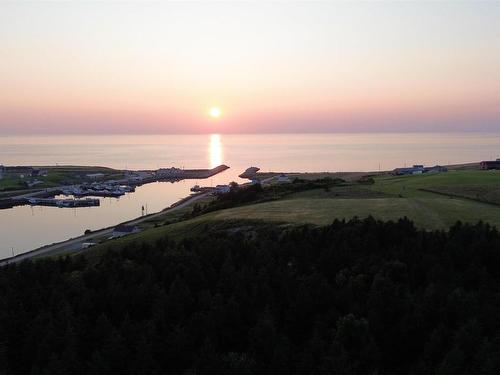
(25, 228)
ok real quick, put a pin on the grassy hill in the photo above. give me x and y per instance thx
(388, 198)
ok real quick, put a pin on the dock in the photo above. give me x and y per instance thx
(184, 174)
(64, 203)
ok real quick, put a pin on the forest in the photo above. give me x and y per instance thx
(353, 297)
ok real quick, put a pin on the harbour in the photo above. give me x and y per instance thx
(94, 204)
(132, 161)
(105, 188)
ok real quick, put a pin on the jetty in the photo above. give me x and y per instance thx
(64, 203)
(249, 173)
(183, 174)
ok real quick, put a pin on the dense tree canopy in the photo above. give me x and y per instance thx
(362, 297)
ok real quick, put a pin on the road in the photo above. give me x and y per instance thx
(75, 244)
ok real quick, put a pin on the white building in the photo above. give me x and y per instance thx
(283, 179)
(221, 189)
(124, 230)
(95, 176)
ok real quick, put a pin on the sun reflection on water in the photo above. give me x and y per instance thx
(215, 150)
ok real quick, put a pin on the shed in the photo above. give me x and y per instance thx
(283, 179)
(221, 189)
(95, 176)
(124, 230)
(490, 164)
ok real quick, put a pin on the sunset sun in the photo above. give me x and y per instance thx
(215, 112)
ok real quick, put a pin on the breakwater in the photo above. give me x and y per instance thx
(183, 174)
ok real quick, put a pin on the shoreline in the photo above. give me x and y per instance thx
(73, 245)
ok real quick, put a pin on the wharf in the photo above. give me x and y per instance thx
(64, 203)
(182, 174)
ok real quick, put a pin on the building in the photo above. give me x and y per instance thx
(39, 172)
(416, 169)
(95, 176)
(436, 169)
(34, 183)
(491, 164)
(26, 171)
(222, 189)
(86, 245)
(124, 230)
(283, 179)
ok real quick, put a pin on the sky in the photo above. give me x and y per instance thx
(158, 67)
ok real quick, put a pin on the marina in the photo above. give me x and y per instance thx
(104, 189)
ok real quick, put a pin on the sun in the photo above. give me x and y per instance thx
(215, 112)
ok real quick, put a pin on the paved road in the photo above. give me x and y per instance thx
(75, 244)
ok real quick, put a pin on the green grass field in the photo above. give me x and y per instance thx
(8, 183)
(389, 198)
(56, 176)
(408, 186)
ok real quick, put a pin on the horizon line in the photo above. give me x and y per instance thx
(253, 133)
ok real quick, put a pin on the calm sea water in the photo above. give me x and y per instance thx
(25, 228)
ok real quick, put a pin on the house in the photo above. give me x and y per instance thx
(491, 164)
(124, 230)
(435, 169)
(34, 183)
(86, 245)
(416, 169)
(39, 172)
(283, 179)
(25, 171)
(95, 176)
(222, 189)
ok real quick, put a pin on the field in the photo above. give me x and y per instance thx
(10, 183)
(389, 198)
(54, 176)
(410, 186)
